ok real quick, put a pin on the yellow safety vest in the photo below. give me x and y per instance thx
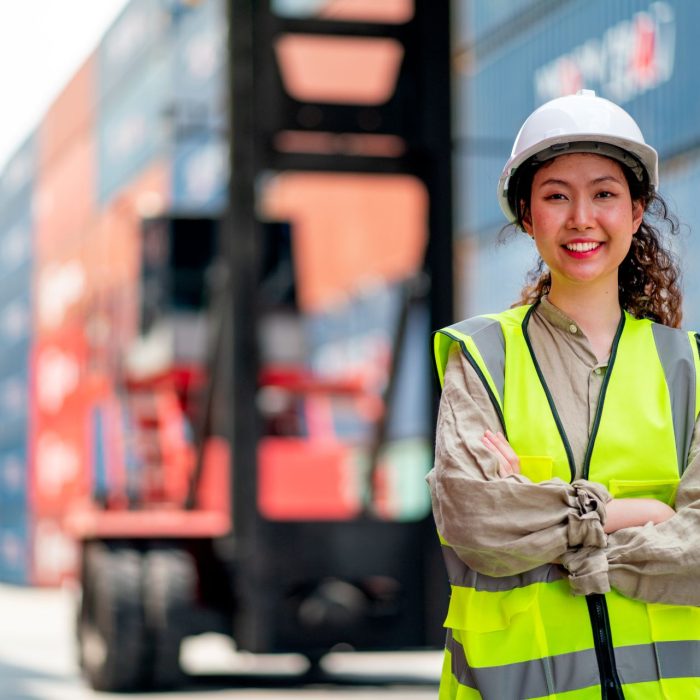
(527, 636)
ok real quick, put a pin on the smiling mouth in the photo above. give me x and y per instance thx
(582, 247)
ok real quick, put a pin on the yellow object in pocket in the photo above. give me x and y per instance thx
(660, 489)
(536, 468)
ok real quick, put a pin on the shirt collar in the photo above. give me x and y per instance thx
(557, 317)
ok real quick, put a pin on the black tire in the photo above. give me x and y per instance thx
(170, 590)
(111, 629)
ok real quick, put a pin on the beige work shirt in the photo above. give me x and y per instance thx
(504, 526)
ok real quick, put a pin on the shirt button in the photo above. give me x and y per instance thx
(573, 328)
(598, 370)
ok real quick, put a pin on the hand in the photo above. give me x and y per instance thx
(631, 512)
(508, 462)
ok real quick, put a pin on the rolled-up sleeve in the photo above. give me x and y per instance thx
(504, 526)
(661, 563)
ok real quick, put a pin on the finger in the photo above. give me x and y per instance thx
(499, 439)
(504, 468)
(500, 444)
(493, 445)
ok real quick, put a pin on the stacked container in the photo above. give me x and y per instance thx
(16, 243)
(198, 113)
(65, 215)
(512, 57)
(72, 201)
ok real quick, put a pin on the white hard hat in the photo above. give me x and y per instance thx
(575, 124)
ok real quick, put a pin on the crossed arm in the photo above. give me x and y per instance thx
(620, 513)
(500, 523)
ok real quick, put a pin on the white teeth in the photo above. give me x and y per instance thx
(582, 247)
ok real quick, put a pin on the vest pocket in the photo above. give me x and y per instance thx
(487, 611)
(660, 489)
(536, 468)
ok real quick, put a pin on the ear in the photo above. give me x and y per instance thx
(527, 223)
(638, 209)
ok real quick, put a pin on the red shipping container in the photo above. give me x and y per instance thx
(66, 197)
(65, 187)
(58, 460)
(71, 116)
(60, 293)
(58, 370)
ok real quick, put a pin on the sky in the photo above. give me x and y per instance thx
(42, 44)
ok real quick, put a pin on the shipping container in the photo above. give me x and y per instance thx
(199, 109)
(134, 127)
(70, 117)
(61, 469)
(17, 238)
(63, 211)
(638, 54)
(141, 30)
(199, 63)
(54, 555)
(60, 291)
(14, 474)
(357, 338)
(680, 186)
(475, 21)
(15, 544)
(200, 174)
(17, 180)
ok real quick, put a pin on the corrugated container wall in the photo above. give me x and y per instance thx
(509, 60)
(200, 160)
(16, 244)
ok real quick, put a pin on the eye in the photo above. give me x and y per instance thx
(557, 196)
(605, 194)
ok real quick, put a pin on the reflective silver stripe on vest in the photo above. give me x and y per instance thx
(676, 355)
(527, 679)
(487, 335)
(566, 672)
(460, 574)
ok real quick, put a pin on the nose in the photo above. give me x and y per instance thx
(581, 214)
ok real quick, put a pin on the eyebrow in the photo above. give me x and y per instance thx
(596, 181)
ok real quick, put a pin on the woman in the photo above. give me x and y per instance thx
(566, 486)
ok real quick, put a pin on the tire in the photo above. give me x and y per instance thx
(170, 590)
(111, 627)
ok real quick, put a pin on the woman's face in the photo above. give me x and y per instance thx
(582, 218)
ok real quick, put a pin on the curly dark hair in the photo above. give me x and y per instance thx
(649, 276)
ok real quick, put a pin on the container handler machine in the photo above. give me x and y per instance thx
(254, 496)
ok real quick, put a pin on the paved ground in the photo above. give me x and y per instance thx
(37, 662)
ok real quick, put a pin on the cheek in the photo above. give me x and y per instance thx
(544, 220)
(621, 220)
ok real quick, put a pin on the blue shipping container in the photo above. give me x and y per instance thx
(358, 337)
(16, 182)
(16, 236)
(139, 31)
(13, 474)
(15, 545)
(639, 54)
(133, 127)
